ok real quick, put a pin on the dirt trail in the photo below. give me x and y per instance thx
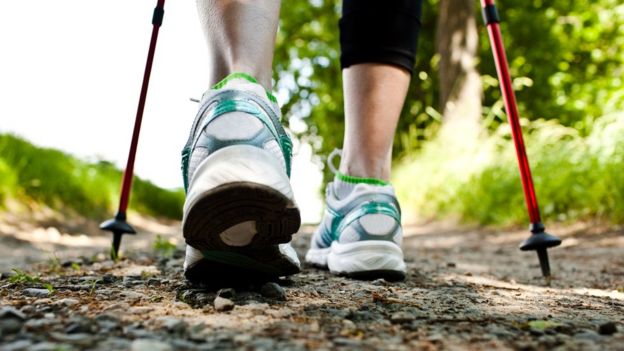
(466, 289)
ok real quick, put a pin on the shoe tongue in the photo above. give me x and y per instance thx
(342, 190)
(245, 85)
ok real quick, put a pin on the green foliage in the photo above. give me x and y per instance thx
(307, 71)
(8, 181)
(49, 287)
(22, 277)
(163, 247)
(31, 173)
(576, 176)
(54, 263)
(93, 285)
(570, 53)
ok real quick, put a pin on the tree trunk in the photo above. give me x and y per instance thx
(460, 83)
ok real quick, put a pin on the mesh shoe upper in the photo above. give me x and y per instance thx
(236, 113)
(369, 212)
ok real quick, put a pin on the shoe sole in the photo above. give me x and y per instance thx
(363, 260)
(212, 209)
(232, 204)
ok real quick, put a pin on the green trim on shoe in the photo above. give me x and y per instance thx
(232, 76)
(356, 180)
(245, 76)
(367, 208)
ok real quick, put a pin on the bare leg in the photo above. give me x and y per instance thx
(374, 97)
(241, 37)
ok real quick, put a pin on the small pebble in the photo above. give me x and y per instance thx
(36, 292)
(17, 345)
(608, 328)
(44, 301)
(6, 275)
(78, 325)
(280, 313)
(108, 278)
(401, 317)
(10, 326)
(83, 339)
(222, 304)
(172, 324)
(149, 345)
(8, 312)
(226, 293)
(153, 281)
(67, 302)
(132, 295)
(130, 280)
(588, 335)
(273, 291)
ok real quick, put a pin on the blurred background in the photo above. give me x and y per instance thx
(70, 75)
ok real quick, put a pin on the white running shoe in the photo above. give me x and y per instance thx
(239, 213)
(360, 235)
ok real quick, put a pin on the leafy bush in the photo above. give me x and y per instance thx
(576, 177)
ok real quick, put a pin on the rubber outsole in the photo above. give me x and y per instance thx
(388, 275)
(276, 218)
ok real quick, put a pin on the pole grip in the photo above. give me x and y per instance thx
(159, 14)
(490, 14)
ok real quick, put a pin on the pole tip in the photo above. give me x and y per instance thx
(542, 254)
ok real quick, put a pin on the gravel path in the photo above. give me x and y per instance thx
(465, 290)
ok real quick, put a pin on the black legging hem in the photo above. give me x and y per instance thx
(380, 31)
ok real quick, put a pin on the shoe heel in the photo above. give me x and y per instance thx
(239, 199)
(370, 259)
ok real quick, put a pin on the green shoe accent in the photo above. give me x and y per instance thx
(245, 76)
(355, 180)
(232, 76)
(365, 209)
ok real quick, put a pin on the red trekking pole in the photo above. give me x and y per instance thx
(539, 239)
(118, 225)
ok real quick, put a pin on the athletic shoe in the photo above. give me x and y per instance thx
(360, 233)
(239, 213)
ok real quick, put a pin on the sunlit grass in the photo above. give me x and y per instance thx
(577, 177)
(61, 181)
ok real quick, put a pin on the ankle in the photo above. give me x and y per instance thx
(365, 169)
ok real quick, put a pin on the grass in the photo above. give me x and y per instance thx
(61, 181)
(22, 277)
(163, 247)
(577, 177)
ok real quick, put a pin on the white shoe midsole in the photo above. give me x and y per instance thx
(238, 163)
(318, 256)
(362, 256)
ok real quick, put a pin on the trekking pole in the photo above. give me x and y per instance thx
(118, 225)
(539, 240)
